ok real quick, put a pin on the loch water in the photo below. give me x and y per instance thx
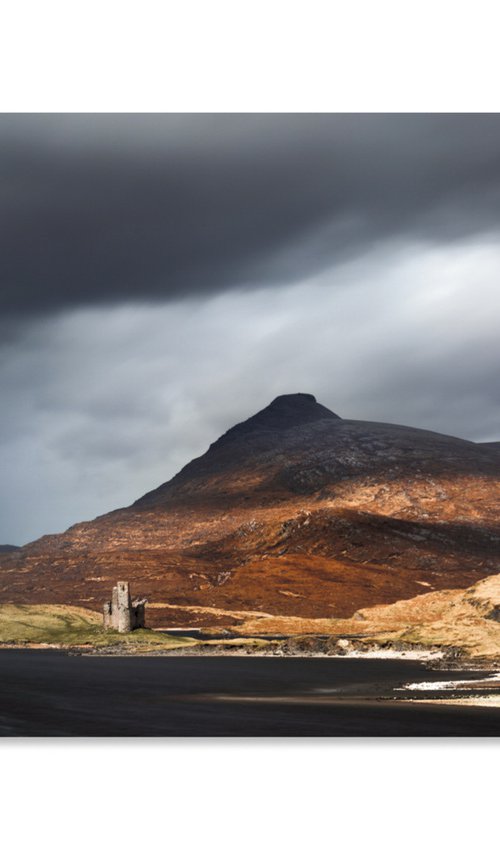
(50, 693)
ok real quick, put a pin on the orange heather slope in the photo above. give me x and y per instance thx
(468, 620)
(293, 512)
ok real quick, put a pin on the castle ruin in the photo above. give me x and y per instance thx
(121, 614)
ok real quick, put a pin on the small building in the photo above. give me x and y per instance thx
(121, 614)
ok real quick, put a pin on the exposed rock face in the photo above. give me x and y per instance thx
(294, 512)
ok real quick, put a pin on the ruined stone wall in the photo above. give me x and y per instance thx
(120, 613)
(114, 608)
(138, 614)
(106, 613)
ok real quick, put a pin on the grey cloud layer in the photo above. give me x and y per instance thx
(103, 404)
(105, 209)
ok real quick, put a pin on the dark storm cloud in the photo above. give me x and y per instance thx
(164, 277)
(105, 209)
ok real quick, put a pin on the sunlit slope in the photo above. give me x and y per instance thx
(294, 512)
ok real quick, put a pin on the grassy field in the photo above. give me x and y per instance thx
(63, 625)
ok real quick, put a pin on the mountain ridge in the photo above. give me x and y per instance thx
(295, 511)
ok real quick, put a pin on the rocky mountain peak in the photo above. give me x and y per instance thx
(284, 412)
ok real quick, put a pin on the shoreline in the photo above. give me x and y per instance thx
(213, 649)
(228, 649)
(464, 701)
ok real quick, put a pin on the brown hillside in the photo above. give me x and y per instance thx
(294, 512)
(465, 619)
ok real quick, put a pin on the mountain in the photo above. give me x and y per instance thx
(293, 512)
(6, 548)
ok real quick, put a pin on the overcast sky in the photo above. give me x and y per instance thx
(163, 277)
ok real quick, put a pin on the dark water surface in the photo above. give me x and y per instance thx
(51, 693)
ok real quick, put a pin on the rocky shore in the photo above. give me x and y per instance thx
(313, 646)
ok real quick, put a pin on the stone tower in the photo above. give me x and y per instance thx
(121, 613)
(121, 603)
